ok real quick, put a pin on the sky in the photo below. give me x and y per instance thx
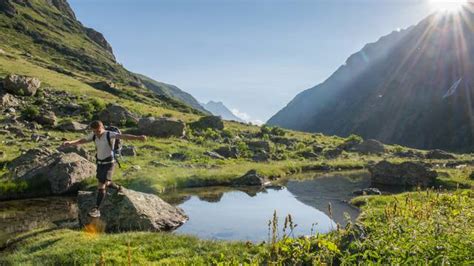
(254, 56)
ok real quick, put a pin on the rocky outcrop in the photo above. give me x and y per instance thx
(213, 122)
(369, 146)
(21, 85)
(117, 115)
(129, 151)
(251, 178)
(99, 38)
(63, 7)
(404, 174)
(214, 155)
(332, 153)
(261, 156)
(439, 154)
(48, 173)
(161, 127)
(131, 211)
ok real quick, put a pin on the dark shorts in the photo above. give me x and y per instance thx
(105, 172)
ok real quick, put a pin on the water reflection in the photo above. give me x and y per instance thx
(25, 215)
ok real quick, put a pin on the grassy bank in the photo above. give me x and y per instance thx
(426, 227)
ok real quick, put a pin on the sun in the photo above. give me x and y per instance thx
(448, 5)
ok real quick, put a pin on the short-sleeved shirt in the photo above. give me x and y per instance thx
(104, 150)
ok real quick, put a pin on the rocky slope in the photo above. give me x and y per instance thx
(47, 33)
(411, 87)
(218, 108)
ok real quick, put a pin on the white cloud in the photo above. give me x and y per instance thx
(246, 117)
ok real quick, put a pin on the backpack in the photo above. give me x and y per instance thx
(117, 148)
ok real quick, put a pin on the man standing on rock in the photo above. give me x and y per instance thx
(104, 143)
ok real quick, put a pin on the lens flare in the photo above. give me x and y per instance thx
(448, 5)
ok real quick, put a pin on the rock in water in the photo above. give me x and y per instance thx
(251, 178)
(21, 85)
(131, 211)
(404, 174)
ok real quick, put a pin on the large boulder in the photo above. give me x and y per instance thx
(117, 115)
(369, 146)
(439, 154)
(403, 174)
(131, 211)
(68, 172)
(78, 150)
(48, 173)
(21, 85)
(161, 127)
(251, 178)
(214, 122)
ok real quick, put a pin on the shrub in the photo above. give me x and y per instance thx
(30, 112)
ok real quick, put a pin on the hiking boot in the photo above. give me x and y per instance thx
(94, 213)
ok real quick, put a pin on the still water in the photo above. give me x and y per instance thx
(217, 212)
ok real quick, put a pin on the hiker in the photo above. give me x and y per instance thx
(104, 143)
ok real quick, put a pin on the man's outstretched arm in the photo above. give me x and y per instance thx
(75, 142)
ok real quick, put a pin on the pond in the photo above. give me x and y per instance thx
(243, 214)
(217, 212)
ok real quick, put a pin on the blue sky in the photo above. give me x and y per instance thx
(255, 56)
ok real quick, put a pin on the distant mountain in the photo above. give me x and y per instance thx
(47, 34)
(171, 91)
(413, 87)
(218, 108)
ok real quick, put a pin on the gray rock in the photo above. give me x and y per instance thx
(409, 154)
(161, 127)
(131, 211)
(117, 115)
(50, 173)
(367, 191)
(404, 174)
(129, 151)
(21, 85)
(7, 100)
(369, 146)
(227, 152)
(439, 154)
(283, 140)
(332, 153)
(214, 122)
(47, 118)
(214, 155)
(349, 144)
(317, 148)
(158, 164)
(251, 178)
(78, 150)
(72, 126)
(257, 145)
(261, 156)
(68, 172)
